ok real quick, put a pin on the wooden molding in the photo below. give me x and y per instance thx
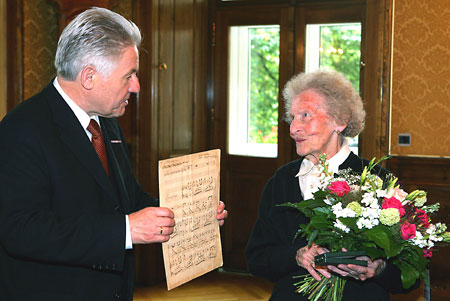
(68, 9)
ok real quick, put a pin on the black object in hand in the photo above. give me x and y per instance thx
(335, 258)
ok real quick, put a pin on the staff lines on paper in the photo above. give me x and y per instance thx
(189, 186)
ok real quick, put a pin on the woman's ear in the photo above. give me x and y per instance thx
(87, 76)
(340, 128)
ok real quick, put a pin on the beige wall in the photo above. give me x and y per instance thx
(2, 58)
(421, 77)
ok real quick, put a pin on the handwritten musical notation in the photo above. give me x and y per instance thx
(190, 186)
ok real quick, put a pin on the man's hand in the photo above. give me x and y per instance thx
(151, 224)
(305, 259)
(222, 214)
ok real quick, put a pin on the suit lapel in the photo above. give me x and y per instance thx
(74, 136)
(110, 134)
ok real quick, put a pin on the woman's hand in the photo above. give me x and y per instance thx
(305, 259)
(374, 268)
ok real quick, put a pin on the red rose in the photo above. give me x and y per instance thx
(428, 253)
(393, 203)
(408, 231)
(339, 188)
(423, 217)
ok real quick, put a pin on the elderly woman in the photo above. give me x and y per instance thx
(322, 109)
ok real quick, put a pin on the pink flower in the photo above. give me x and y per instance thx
(408, 231)
(428, 253)
(339, 188)
(397, 193)
(392, 202)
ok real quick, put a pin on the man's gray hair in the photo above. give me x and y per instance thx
(94, 38)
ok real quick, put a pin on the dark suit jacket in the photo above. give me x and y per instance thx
(271, 251)
(62, 219)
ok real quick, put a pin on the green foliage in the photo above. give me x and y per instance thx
(383, 237)
(307, 207)
(263, 96)
(342, 50)
(410, 263)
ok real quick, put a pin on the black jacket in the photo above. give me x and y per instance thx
(62, 219)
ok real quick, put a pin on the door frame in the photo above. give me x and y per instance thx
(234, 237)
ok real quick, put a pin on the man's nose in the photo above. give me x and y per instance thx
(135, 87)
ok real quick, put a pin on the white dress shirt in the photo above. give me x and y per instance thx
(308, 174)
(84, 120)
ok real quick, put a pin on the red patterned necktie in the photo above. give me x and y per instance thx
(98, 143)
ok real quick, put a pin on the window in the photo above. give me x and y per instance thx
(335, 46)
(253, 90)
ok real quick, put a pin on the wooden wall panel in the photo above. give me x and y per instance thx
(165, 50)
(244, 183)
(182, 84)
(433, 176)
(3, 48)
(172, 102)
(183, 81)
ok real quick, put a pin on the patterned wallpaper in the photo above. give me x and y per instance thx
(40, 38)
(421, 77)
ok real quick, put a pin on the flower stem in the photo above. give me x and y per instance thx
(329, 289)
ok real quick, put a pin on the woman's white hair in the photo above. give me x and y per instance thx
(342, 102)
(96, 37)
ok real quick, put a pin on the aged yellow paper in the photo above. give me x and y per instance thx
(190, 186)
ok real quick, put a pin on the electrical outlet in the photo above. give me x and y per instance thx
(404, 139)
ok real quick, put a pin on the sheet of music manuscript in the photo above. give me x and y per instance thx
(190, 186)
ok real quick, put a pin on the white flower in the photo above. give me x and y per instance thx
(381, 193)
(367, 223)
(419, 240)
(338, 224)
(431, 229)
(369, 200)
(336, 207)
(366, 187)
(342, 212)
(371, 213)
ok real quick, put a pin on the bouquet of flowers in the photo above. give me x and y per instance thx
(366, 213)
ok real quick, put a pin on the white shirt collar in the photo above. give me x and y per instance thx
(81, 115)
(334, 162)
(309, 174)
(340, 157)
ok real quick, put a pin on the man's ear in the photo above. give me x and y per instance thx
(87, 76)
